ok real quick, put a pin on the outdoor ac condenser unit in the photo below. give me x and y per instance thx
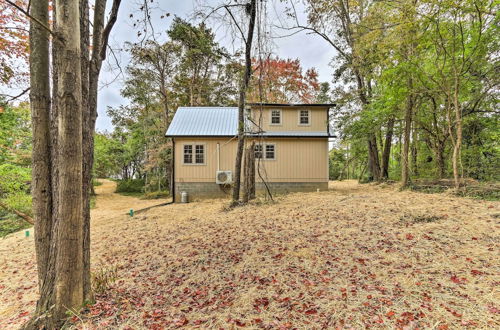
(224, 177)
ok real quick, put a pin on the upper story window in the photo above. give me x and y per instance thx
(275, 117)
(304, 117)
(194, 154)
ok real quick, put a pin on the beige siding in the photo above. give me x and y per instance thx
(290, 119)
(206, 172)
(297, 160)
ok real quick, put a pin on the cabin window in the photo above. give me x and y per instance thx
(194, 154)
(200, 154)
(275, 117)
(304, 117)
(270, 150)
(258, 151)
(188, 154)
(265, 151)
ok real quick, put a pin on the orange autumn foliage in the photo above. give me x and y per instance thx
(283, 81)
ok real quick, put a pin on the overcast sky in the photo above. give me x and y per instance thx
(311, 50)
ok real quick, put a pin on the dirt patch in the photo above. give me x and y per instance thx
(311, 260)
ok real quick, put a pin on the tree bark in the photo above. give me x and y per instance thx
(458, 142)
(439, 152)
(90, 77)
(406, 142)
(373, 159)
(69, 263)
(41, 186)
(241, 103)
(86, 151)
(414, 149)
(249, 174)
(387, 149)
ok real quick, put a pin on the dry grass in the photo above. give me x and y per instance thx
(356, 256)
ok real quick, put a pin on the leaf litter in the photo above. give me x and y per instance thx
(345, 258)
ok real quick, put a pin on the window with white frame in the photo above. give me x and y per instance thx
(258, 151)
(265, 151)
(270, 151)
(194, 154)
(200, 154)
(188, 154)
(304, 117)
(275, 117)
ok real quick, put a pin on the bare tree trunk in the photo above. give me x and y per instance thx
(69, 263)
(241, 104)
(439, 152)
(414, 149)
(458, 142)
(406, 143)
(249, 174)
(373, 159)
(41, 186)
(387, 149)
(91, 78)
(86, 151)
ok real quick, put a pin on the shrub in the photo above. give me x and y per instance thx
(130, 186)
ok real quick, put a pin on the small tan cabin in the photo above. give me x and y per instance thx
(291, 148)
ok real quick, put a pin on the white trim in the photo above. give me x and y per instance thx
(308, 116)
(271, 117)
(193, 146)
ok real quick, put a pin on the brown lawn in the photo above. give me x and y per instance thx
(356, 256)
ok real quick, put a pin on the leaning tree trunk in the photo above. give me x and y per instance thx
(241, 104)
(41, 184)
(69, 263)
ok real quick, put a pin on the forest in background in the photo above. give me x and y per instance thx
(415, 88)
(415, 91)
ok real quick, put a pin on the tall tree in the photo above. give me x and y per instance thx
(251, 10)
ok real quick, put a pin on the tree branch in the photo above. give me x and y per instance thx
(107, 29)
(26, 217)
(31, 17)
(15, 97)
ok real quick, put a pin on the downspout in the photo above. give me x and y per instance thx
(218, 156)
(172, 181)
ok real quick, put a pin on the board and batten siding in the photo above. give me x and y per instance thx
(290, 119)
(296, 159)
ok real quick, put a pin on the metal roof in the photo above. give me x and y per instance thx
(329, 105)
(204, 121)
(221, 121)
(291, 134)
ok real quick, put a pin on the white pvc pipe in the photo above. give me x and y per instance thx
(218, 156)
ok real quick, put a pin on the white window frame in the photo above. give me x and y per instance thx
(193, 159)
(261, 151)
(308, 116)
(271, 117)
(264, 151)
